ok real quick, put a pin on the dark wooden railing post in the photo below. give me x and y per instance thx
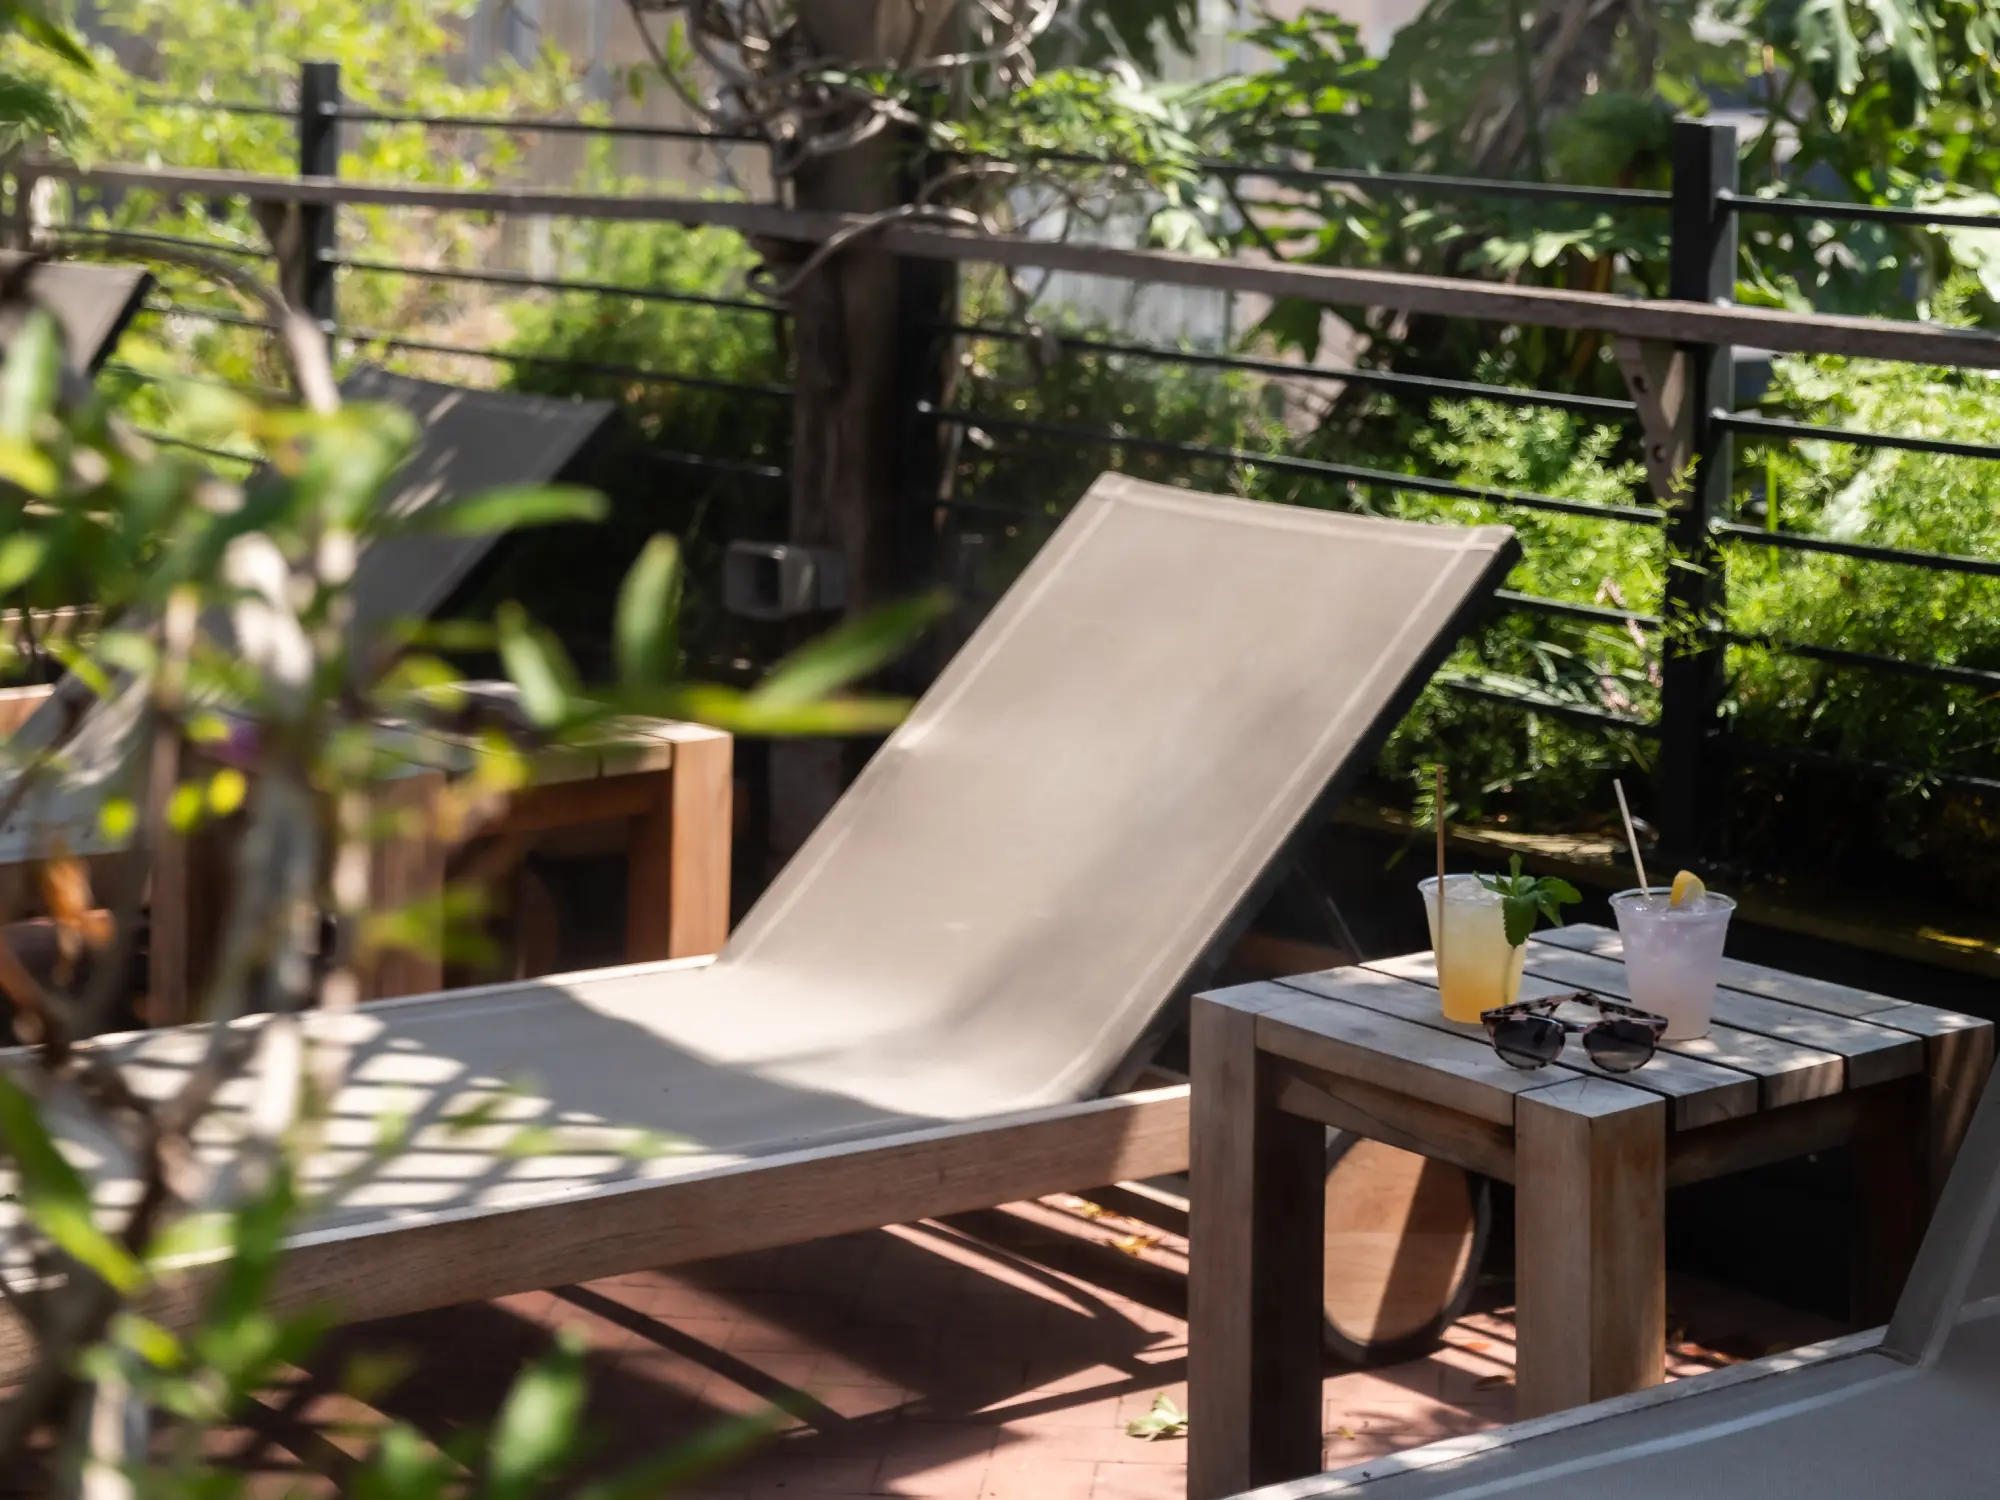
(861, 335)
(319, 156)
(1702, 269)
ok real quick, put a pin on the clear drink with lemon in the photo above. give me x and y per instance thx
(1673, 951)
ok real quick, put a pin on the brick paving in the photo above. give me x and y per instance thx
(994, 1356)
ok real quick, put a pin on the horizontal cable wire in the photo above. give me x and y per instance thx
(1798, 541)
(1596, 406)
(1581, 713)
(1746, 422)
(529, 282)
(553, 361)
(1871, 213)
(1311, 467)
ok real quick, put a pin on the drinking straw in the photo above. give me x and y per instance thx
(1631, 834)
(1437, 818)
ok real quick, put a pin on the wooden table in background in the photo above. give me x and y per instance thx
(1793, 1066)
(670, 785)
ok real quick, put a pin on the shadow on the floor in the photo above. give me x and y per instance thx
(943, 1321)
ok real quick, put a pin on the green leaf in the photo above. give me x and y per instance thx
(185, 805)
(116, 819)
(31, 377)
(847, 654)
(1525, 897)
(403, 1467)
(510, 508)
(21, 558)
(1907, 34)
(1827, 44)
(537, 664)
(537, 1427)
(371, 1374)
(1560, 891)
(54, 1196)
(1163, 1420)
(25, 465)
(1520, 914)
(746, 713)
(256, 1230)
(649, 608)
(191, 1237)
(440, 926)
(533, 1140)
(147, 1339)
(33, 21)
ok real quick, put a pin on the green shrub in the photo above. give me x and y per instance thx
(1014, 484)
(664, 421)
(1537, 766)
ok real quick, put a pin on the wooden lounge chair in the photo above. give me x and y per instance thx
(92, 303)
(1908, 1409)
(468, 441)
(923, 1012)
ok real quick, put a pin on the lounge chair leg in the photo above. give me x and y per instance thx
(1590, 1251)
(1256, 1231)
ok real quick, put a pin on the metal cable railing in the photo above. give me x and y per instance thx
(1714, 201)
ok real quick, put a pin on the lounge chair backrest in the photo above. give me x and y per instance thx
(1959, 1265)
(91, 303)
(1104, 775)
(469, 441)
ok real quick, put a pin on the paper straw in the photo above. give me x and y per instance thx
(1631, 834)
(1437, 817)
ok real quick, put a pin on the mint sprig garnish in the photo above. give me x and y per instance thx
(1525, 897)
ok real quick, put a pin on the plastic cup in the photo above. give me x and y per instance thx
(1673, 955)
(1478, 969)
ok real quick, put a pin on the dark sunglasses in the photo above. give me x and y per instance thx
(1529, 1034)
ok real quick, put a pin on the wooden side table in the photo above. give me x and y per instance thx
(1792, 1066)
(669, 783)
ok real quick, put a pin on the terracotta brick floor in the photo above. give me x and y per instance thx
(995, 1355)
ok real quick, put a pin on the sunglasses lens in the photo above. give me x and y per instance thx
(1528, 1041)
(1619, 1046)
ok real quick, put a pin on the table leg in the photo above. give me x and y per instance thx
(1955, 1066)
(1891, 1155)
(1901, 1163)
(1590, 1244)
(677, 886)
(408, 870)
(1257, 1189)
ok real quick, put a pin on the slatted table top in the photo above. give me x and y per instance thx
(1778, 1039)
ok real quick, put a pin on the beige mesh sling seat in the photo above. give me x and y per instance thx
(1912, 1409)
(920, 1015)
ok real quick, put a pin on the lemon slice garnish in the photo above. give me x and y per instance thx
(1687, 887)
